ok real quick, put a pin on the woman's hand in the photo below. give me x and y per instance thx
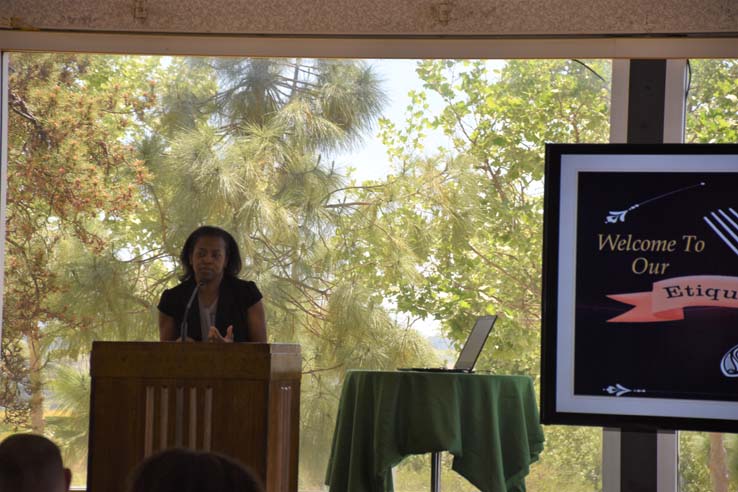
(214, 335)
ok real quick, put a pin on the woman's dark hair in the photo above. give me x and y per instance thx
(233, 266)
(182, 470)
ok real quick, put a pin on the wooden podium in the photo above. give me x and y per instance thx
(241, 399)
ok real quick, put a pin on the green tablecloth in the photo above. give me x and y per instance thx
(489, 423)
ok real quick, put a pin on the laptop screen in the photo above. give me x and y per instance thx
(474, 344)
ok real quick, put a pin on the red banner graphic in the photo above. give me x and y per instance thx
(668, 298)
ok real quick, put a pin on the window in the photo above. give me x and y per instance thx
(380, 206)
(709, 461)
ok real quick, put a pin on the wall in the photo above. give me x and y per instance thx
(504, 18)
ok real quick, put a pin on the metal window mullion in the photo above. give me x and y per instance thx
(674, 105)
(4, 60)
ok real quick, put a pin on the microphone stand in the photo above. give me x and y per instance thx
(183, 326)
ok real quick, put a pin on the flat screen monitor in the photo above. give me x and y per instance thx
(640, 286)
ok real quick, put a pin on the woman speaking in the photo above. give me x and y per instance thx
(211, 303)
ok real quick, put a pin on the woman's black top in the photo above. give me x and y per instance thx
(235, 297)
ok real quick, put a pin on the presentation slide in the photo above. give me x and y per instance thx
(646, 291)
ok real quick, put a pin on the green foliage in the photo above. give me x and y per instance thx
(253, 162)
(237, 143)
(69, 418)
(68, 162)
(694, 472)
(730, 442)
(471, 214)
(413, 475)
(711, 118)
(468, 218)
(712, 101)
(570, 461)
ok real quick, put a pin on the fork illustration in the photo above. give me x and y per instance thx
(725, 227)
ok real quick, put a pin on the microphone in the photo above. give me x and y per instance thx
(183, 326)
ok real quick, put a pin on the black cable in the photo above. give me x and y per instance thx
(589, 68)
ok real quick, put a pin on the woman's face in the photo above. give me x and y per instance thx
(208, 258)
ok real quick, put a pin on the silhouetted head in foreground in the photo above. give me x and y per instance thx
(32, 463)
(182, 470)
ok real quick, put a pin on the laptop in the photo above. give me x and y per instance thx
(471, 350)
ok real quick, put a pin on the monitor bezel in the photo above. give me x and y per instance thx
(550, 275)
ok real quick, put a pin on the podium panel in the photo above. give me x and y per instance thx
(241, 400)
